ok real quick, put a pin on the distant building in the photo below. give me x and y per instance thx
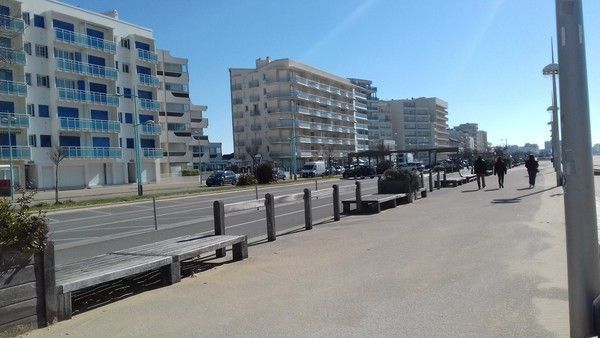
(596, 149)
(548, 146)
(480, 143)
(531, 148)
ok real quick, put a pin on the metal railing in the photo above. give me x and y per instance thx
(12, 56)
(13, 88)
(11, 24)
(77, 67)
(151, 129)
(92, 152)
(321, 86)
(146, 55)
(152, 152)
(148, 104)
(19, 121)
(18, 152)
(63, 35)
(100, 126)
(148, 80)
(67, 94)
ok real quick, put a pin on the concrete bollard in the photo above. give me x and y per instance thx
(358, 197)
(430, 181)
(439, 184)
(270, 211)
(336, 202)
(307, 210)
(219, 216)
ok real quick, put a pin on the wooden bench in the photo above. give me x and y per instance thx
(374, 202)
(165, 256)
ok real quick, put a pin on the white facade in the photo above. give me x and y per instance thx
(77, 80)
(182, 123)
(269, 102)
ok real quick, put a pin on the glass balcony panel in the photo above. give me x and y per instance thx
(68, 94)
(147, 56)
(18, 152)
(76, 67)
(13, 88)
(93, 152)
(12, 56)
(148, 80)
(100, 126)
(16, 120)
(66, 36)
(148, 104)
(152, 152)
(10, 24)
(151, 129)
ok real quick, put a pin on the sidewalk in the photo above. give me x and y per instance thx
(461, 262)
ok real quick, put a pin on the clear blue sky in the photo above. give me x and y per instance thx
(484, 57)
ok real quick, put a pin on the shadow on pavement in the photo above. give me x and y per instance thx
(518, 198)
(470, 190)
(494, 189)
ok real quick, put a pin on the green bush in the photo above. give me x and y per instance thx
(190, 172)
(19, 228)
(403, 175)
(264, 173)
(246, 179)
(383, 166)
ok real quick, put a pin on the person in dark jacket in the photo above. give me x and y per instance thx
(500, 170)
(532, 169)
(479, 167)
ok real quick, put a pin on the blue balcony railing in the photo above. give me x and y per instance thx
(67, 94)
(92, 152)
(147, 56)
(152, 152)
(148, 80)
(83, 40)
(151, 129)
(99, 126)
(12, 56)
(77, 67)
(16, 121)
(18, 152)
(13, 88)
(148, 104)
(10, 24)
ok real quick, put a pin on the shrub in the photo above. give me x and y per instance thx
(190, 172)
(19, 228)
(246, 179)
(264, 173)
(404, 175)
(383, 166)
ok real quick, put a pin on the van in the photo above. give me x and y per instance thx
(313, 169)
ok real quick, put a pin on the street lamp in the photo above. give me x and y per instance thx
(552, 69)
(200, 153)
(9, 121)
(293, 151)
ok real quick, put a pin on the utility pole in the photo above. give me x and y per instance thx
(580, 209)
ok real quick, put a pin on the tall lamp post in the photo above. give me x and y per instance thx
(552, 69)
(200, 153)
(9, 121)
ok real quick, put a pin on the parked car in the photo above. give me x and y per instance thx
(415, 166)
(221, 177)
(279, 174)
(361, 171)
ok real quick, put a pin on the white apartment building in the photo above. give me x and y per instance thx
(182, 123)
(75, 79)
(479, 136)
(283, 102)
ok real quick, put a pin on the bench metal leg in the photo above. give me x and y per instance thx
(240, 250)
(171, 274)
(65, 310)
(423, 193)
(346, 208)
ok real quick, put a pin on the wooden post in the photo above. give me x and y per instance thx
(154, 208)
(430, 181)
(270, 211)
(219, 215)
(307, 210)
(422, 181)
(358, 197)
(336, 202)
(439, 185)
(50, 284)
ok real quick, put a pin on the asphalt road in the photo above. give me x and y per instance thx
(84, 233)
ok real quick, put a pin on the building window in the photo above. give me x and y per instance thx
(117, 65)
(41, 51)
(128, 118)
(32, 141)
(38, 21)
(28, 78)
(130, 143)
(43, 110)
(27, 47)
(121, 142)
(31, 109)
(26, 18)
(120, 117)
(125, 68)
(45, 141)
(43, 81)
(125, 43)
(118, 90)
(127, 93)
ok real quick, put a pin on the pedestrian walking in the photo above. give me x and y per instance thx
(532, 169)
(500, 170)
(480, 169)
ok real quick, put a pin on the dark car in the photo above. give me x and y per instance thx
(361, 171)
(221, 178)
(279, 174)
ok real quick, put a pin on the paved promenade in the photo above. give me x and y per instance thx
(461, 262)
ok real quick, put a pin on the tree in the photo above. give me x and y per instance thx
(328, 154)
(56, 155)
(253, 151)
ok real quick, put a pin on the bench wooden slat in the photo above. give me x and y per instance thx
(288, 198)
(245, 205)
(322, 193)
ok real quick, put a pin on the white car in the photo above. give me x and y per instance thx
(415, 166)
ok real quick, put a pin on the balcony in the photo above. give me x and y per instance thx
(20, 120)
(321, 86)
(151, 129)
(13, 88)
(9, 24)
(360, 105)
(362, 137)
(152, 152)
(11, 56)
(148, 104)
(148, 80)
(74, 95)
(18, 153)
(360, 95)
(76, 67)
(362, 126)
(362, 116)
(236, 86)
(147, 56)
(311, 126)
(98, 126)
(68, 37)
(324, 113)
(321, 100)
(92, 152)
